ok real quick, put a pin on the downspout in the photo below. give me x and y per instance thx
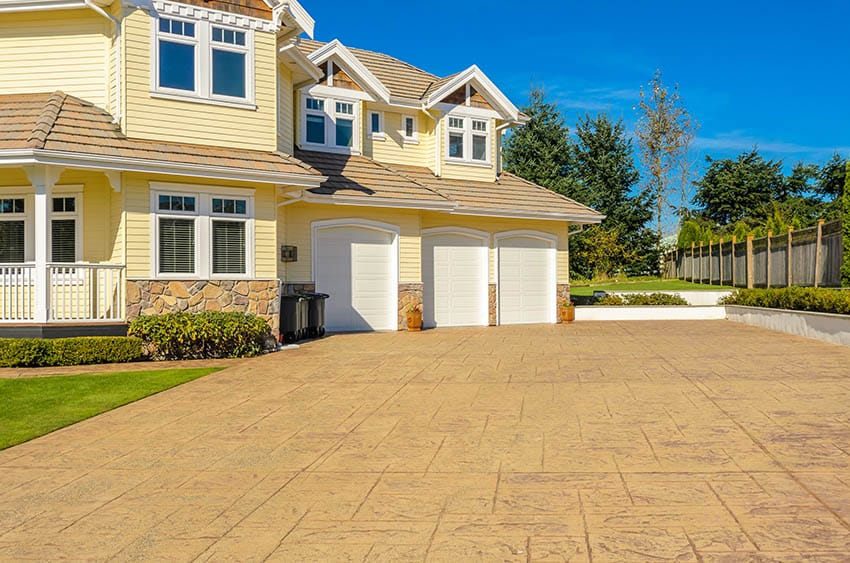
(118, 85)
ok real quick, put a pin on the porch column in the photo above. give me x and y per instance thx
(42, 178)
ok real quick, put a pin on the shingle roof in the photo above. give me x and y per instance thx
(360, 176)
(351, 175)
(402, 79)
(58, 122)
(508, 193)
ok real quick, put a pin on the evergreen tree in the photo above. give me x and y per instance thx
(540, 150)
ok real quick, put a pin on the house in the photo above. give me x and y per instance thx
(205, 154)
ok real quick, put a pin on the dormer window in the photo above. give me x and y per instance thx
(202, 61)
(468, 140)
(408, 128)
(330, 123)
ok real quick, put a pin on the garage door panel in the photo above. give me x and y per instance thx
(454, 275)
(354, 265)
(526, 280)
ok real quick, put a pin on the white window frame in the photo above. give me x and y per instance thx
(76, 215)
(380, 134)
(468, 134)
(204, 45)
(330, 115)
(412, 139)
(27, 218)
(203, 217)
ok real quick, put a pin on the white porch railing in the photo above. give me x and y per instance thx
(76, 292)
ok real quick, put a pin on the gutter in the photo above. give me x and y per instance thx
(118, 83)
(546, 216)
(123, 164)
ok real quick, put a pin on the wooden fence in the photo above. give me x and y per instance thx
(808, 257)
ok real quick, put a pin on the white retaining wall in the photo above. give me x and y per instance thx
(822, 326)
(649, 313)
(699, 298)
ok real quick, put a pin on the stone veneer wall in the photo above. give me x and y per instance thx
(563, 296)
(409, 295)
(151, 297)
(491, 304)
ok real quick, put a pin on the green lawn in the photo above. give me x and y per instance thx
(32, 407)
(643, 285)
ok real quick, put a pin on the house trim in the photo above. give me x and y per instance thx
(362, 75)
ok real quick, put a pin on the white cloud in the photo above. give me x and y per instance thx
(740, 141)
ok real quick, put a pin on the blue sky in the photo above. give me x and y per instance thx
(774, 74)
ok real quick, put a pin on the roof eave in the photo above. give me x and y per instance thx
(579, 218)
(297, 14)
(291, 51)
(362, 74)
(372, 201)
(9, 6)
(20, 157)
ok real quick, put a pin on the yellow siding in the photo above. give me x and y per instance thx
(148, 117)
(140, 245)
(469, 172)
(300, 216)
(286, 111)
(393, 149)
(495, 225)
(64, 50)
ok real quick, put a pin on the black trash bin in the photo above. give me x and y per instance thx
(315, 313)
(293, 317)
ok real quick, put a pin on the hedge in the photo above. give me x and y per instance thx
(642, 299)
(37, 352)
(211, 334)
(821, 300)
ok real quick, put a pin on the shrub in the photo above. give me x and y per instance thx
(36, 352)
(819, 299)
(211, 334)
(642, 299)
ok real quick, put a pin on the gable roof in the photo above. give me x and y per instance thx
(61, 126)
(362, 75)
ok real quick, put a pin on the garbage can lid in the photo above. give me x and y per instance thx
(314, 295)
(292, 297)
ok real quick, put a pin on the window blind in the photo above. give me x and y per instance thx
(176, 246)
(63, 240)
(11, 242)
(228, 240)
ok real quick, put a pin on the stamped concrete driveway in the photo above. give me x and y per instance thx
(702, 441)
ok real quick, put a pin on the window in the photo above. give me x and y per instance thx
(468, 140)
(12, 230)
(177, 46)
(203, 60)
(229, 77)
(331, 123)
(63, 230)
(376, 125)
(408, 127)
(203, 235)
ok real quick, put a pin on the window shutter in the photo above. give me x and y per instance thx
(11, 242)
(63, 240)
(228, 240)
(176, 246)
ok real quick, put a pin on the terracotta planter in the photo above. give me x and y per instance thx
(567, 314)
(414, 322)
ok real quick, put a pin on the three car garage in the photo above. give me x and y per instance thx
(357, 264)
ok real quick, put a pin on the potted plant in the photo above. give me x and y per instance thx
(567, 312)
(414, 318)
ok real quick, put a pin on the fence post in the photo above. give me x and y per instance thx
(818, 251)
(720, 261)
(710, 265)
(767, 261)
(788, 256)
(693, 264)
(750, 276)
(700, 262)
(732, 263)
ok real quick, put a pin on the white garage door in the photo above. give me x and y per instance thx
(356, 266)
(526, 280)
(454, 277)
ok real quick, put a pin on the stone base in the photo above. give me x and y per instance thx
(491, 304)
(409, 295)
(563, 297)
(293, 288)
(152, 297)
